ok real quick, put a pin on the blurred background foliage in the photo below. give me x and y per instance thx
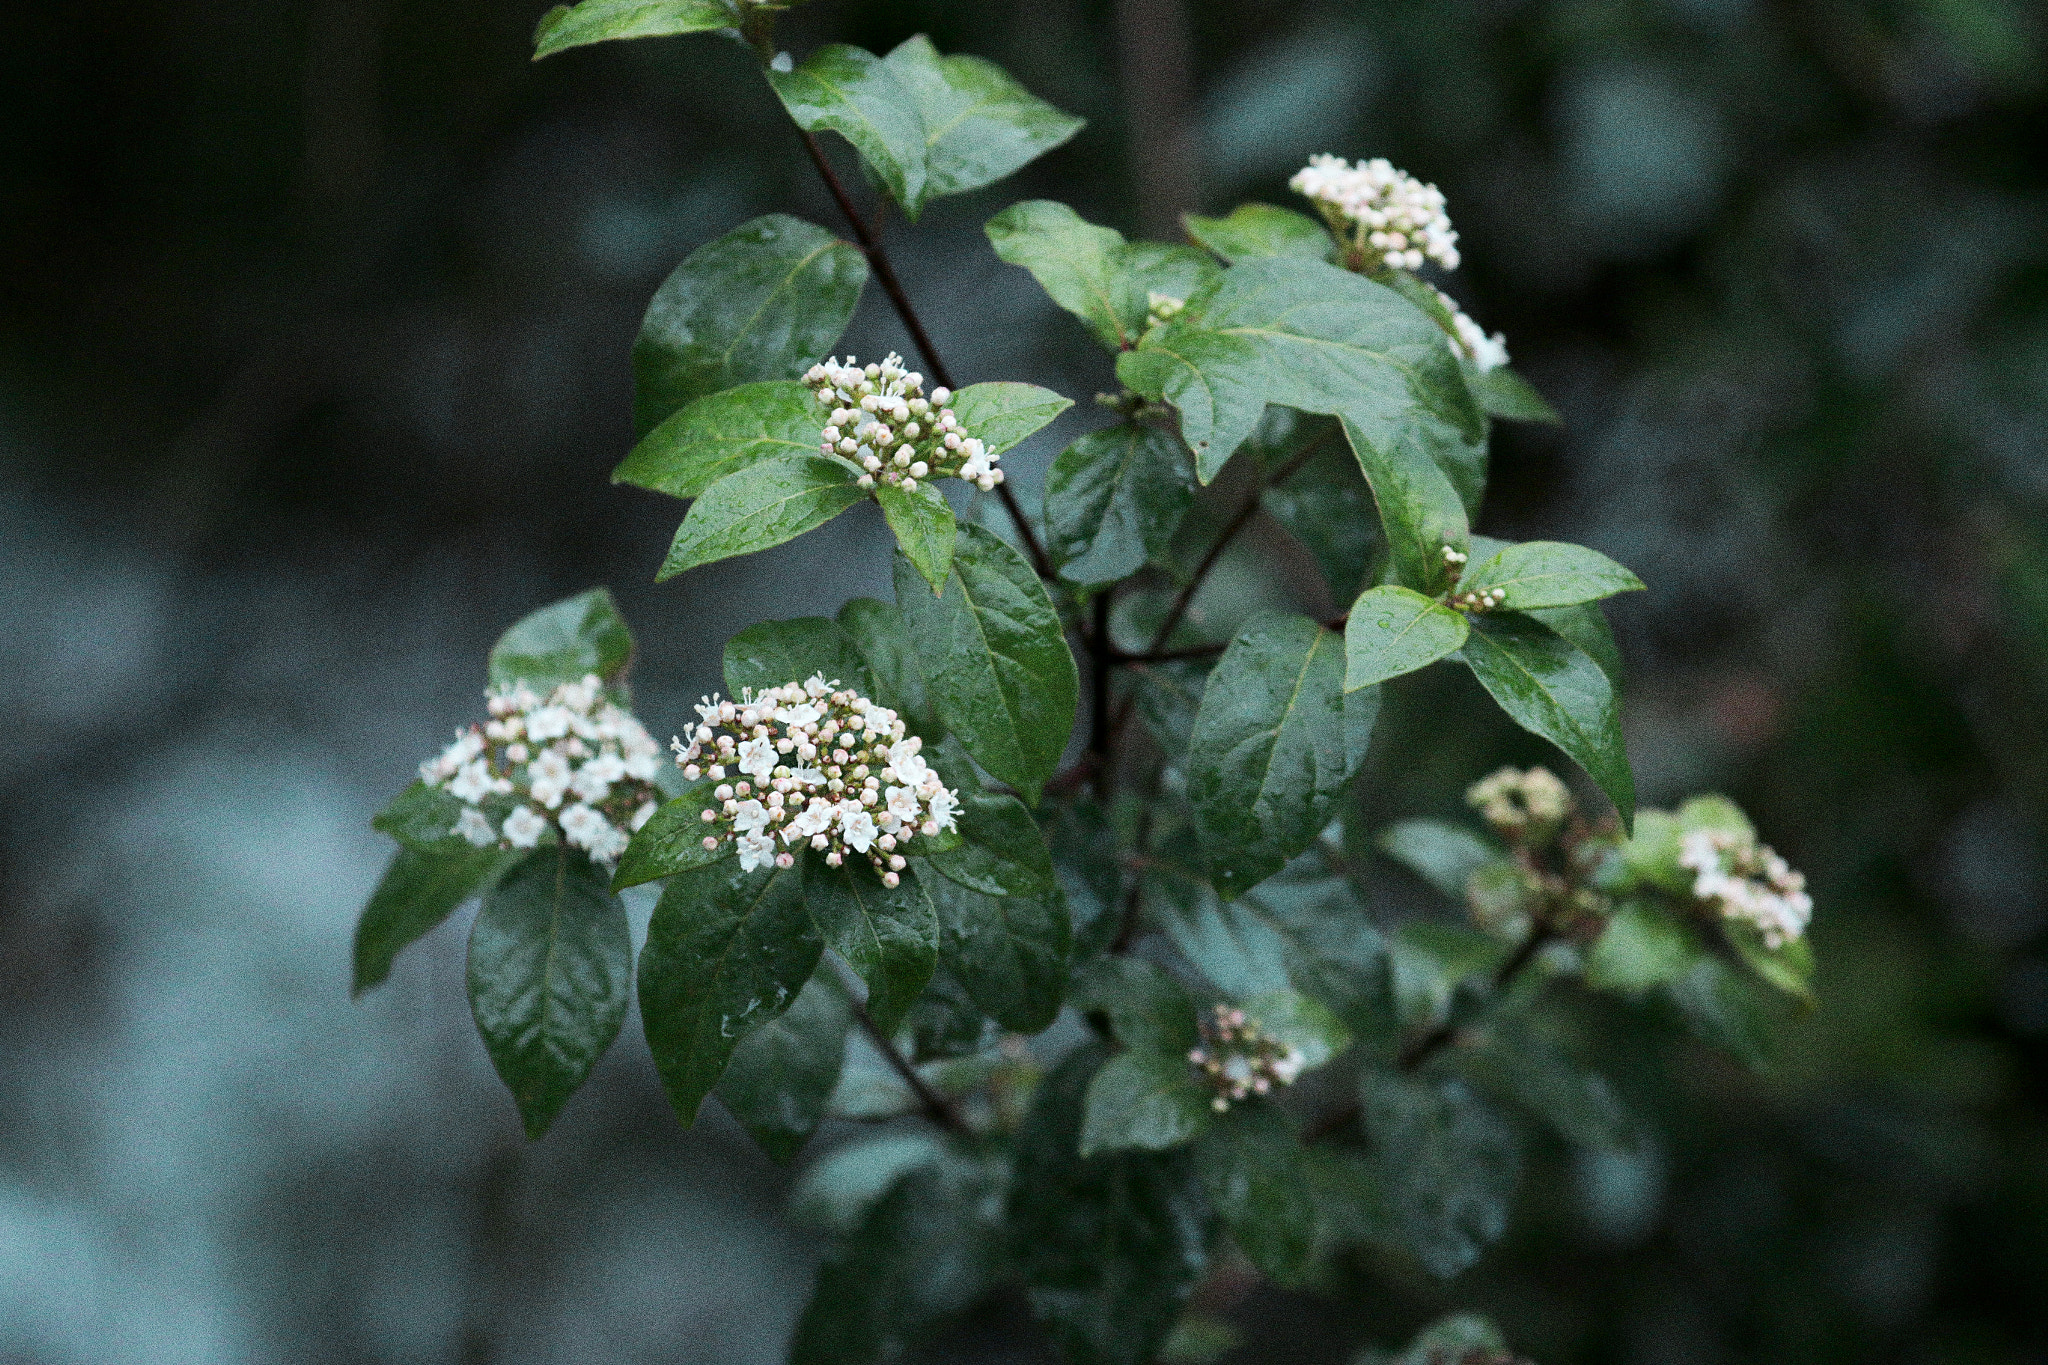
(313, 335)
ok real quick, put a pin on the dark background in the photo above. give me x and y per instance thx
(313, 334)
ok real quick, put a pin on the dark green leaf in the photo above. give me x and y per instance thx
(1432, 959)
(1255, 1171)
(1000, 853)
(944, 1023)
(1144, 1101)
(1444, 855)
(1789, 966)
(995, 659)
(1307, 335)
(1234, 944)
(1643, 945)
(878, 631)
(1111, 1246)
(565, 643)
(761, 506)
(889, 935)
(1574, 1100)
(1091, 271)
(1269, 752)
(1726, 1009)
(1553, 689)
(1113, 500)
(782, 1074)
(762, 302)
(697, 445)
(550, 968)
(1008, 952)
(596, 21)
(924, 526)
(1089, 868)
(672, 840)
(1311, 933)
(859, 96)
(777, 653)
(1301, 1023)
(1148, 1010)
(1448, 1161)
(1585, 626)
(979, 124)
(1503, 393)
(417, 892)
(1549, 573)
(726, 952)
(422, 818)
(1255, 231)
(1328, 506)
(1392, 631)
(1002, 414)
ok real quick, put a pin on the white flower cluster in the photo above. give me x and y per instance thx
(1745, 880)
(1469, 339)
(572, 761)
(1161, 309)
(882, 421)
(1515, 802)
(814, 763)
(1391, 220)
(1238, 1058)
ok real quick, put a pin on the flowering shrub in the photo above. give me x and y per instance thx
(1133, 980)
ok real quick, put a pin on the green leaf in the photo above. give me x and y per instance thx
(979, 124)
(672, 840)
(1574, 1100)
(1442, 854)
(1300, 1023)
(1270, 750)
(726, 952)
(854, 93)
(550, 968)
(1549, 573)
(1503, 393)
(1091, 271)
(1008, 952)
(1111, 1246)
(597, 21)
(1420, 511)
(1328, 506)
(1002, 414)
(1394, 630)
(879, 633)
(422, 818)
(416, 893)
(1304, 334)
(761, 506)
(995, 659)
(1431, 960)
(1001, 851)
(1255, 1171)
(563, 643)
(764, 301)
(1553, 689)
(1449, 1164)
(1722, 1007)
(777, 653)
(1255, 231)
(889, 935)
(924, 526)
(1585, 626)
(1642, 946)
(1789, 966)
(836, 1191)
(1089, 868)
(1148, 1010)
(698, 444)
(782, 1074)
(1144, 1101)
(1113, 500)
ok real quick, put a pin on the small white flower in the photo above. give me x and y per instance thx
(548, 778)
(756, 850)
(940, 806)
(589, 784)
(757, 759)
(523, 828)
(858, 827)
(473, 783)
(550, 722)
(903, 804)
(475, 827)
(586, 828)
(750, 818)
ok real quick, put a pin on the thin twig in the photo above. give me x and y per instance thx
(937, 1107)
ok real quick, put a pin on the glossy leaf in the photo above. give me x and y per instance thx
(1144, 1101)
(879, 633)
(422, 818)
(1301, 1023)
(1548, 573)
(889, 935)
(1111, 1246)
(418, 891)
(1642, 946)
(1455, 1336)
(1257, 1176)
(1585, 626)
(672, 840)
(1008, 952)
(1553, 689)
(1269, 752)
(565, 642)
(764, 301)
(979, 124)
(995, 659)
(1394, 630)
(550, 969)
(776, 653)
(761, 506)
(1449, 1164)
(1113, 500)
(1091, 271)
(726, 952)
(1504, 394)
(597, 21)
(854, 93)
(1148, 1010)
(1000, 852)
(698, 444)
(1002, 414)
(924, 526)
(1444, 855)
(782, 1074)
(1255, 231)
